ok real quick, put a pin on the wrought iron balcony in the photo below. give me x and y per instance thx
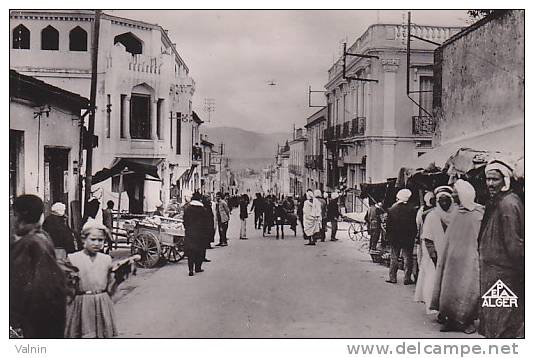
(346, 129)
(423, 125)
(358, 126)
(314, 161)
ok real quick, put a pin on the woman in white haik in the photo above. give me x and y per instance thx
(432, 240)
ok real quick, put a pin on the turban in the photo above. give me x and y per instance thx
(502, 168)
(58, 209)
(309, 195)
(317, 193)
(428, 196)
(404, 195)
(466, 194)
(443, 191)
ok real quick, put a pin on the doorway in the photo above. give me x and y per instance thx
(56, 176)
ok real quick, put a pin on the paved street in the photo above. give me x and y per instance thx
(263, 287)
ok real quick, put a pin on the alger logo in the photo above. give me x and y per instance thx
(499, 295)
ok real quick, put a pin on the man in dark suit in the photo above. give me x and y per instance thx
(401, 231)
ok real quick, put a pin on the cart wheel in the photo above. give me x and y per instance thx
(147, 245)
(173, 254)
(360, 232)
(352, 232)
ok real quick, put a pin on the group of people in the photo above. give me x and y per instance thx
(315, 211)
(271, 212)
(466, 254)
(60, 285)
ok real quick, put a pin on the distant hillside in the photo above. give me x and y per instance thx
(246, 149)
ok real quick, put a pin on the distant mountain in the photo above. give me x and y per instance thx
(246, 149)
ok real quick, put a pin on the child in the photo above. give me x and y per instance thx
(91, 313)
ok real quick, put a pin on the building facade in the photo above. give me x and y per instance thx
(314, 173)
(373, 127)
(44, 141)
(144, 93)
(209, 171)
(296, 163)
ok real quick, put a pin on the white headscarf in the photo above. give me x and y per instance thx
(317, 193)
(58, 209)
(309, 195)
(502, 168)
(335, 195)
(404, 195)
(466, 194)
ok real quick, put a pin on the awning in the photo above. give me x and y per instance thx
(507, 140)
(147, 166)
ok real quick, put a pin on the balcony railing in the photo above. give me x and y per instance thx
(196, 153)
(329, 133)
(314, 161)
(337, 132)
(208, 169)
(295, 169)
(423, 125)
(346, 129)
(358, 126)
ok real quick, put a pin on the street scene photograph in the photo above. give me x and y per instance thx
(267, 174)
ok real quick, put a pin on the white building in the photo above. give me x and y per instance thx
(44, 140)
(143, 103)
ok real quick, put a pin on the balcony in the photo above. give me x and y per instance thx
(196, 153)
(314, 161)
(358, 126)
(423, 125)
(208, 169)
(346, 129)
(329, 133)
(295, 169)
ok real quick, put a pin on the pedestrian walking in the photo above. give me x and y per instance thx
(401, 231)
(243, 215)
(268, 215)
(280, 218)
(300, 213)
(37, 285)
(197, 227)
(291, 218)
(502, 254)
(432, 243)
(333, 214)
(257, 208)
(312, 218)
(107, 220)
(210, 226)
(59, 231)
(457, 286)
(425, 267)
(322, 202)
(91, 314)
(223, 217)
(373, 218)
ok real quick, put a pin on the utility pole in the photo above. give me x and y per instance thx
(92, 108)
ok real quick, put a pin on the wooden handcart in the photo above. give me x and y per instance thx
(155, 239)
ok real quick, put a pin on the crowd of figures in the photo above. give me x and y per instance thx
(62, 282)
(313, 211)
(466, 260)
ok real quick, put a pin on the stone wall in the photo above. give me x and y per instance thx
(482, 78)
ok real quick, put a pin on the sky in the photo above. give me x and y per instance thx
(233, 55)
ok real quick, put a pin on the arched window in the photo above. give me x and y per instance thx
(49, 39)
(131, 42)
(21, 37)
(78, 39)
